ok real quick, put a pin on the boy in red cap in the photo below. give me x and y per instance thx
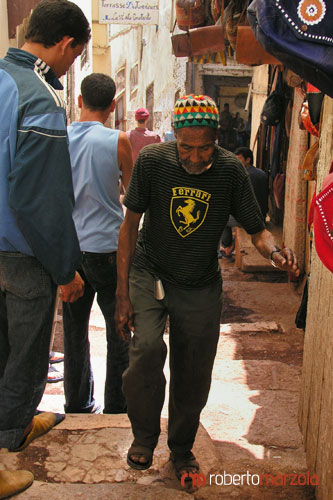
(141, 136)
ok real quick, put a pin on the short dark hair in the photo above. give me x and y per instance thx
(142, 120)
(245, 152)
(98, 91)
(51, 20)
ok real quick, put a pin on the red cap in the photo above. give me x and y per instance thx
(141, 114)
(323, 222)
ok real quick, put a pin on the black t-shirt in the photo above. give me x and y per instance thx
(185, 214)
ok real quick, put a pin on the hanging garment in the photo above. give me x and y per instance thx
(299, 34)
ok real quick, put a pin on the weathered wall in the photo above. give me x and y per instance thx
(294, 224)
(17, 11)
(259, 95)
(150, 48)
(101, 48)
(316, 399)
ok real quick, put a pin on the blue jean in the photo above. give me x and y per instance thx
(27, 301)
(99, 272)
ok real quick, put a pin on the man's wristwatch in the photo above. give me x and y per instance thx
(277, 249)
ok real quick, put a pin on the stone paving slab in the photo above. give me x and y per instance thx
(252, 261)
(253, 327)
(91, 449)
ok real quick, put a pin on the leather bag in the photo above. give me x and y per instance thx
(299, 34)
(249, 51)
(190, 13)
(198, 41)
(233, 17)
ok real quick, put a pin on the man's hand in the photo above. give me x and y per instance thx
(73, 290)
(286, 260)
(124, 318)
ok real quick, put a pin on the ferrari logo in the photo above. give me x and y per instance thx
(188, 209)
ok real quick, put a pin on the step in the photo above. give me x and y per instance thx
(91, 450)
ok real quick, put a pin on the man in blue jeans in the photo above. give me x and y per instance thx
(100, 158)
(39, 248)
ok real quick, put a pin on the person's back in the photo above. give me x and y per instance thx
(259, 178)
(97, 212)
(100, 157)
(141, 136)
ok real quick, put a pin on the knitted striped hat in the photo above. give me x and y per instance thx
(195, 111)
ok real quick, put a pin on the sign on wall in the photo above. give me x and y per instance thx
(128, 11)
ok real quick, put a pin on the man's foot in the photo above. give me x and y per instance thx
(13, 482)
(53, 375)
(41, 424)
(96, 409)
(184, 464)
(139, 457)
(55, 357)
(226, 252)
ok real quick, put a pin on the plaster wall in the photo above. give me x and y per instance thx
(149, 47)
(316, 398)
(259, 95)
(294, 224)
(86, 69)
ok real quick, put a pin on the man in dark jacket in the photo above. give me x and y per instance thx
(259, 181)
(39, 249)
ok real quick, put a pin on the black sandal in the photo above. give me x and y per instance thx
(140, 451)
(184, 463)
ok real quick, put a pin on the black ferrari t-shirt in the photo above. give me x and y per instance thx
(185, 214)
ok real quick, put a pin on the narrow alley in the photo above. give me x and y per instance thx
(248, 428)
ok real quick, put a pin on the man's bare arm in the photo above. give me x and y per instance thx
(126, 245)
(284, 259)
(125, 160)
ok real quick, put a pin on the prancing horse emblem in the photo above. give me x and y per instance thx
(188, 209)
(187, 213)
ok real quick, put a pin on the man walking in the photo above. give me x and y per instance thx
(259, 181)
(141, 136)
(39, 249)
(100, 157)
(187, 190)
(258, 177)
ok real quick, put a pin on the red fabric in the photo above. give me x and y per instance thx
(310, 127)
(311, 209)
(323, 222)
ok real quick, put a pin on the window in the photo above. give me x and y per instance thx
(120, 80)
(134, 78)
(120, 117)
